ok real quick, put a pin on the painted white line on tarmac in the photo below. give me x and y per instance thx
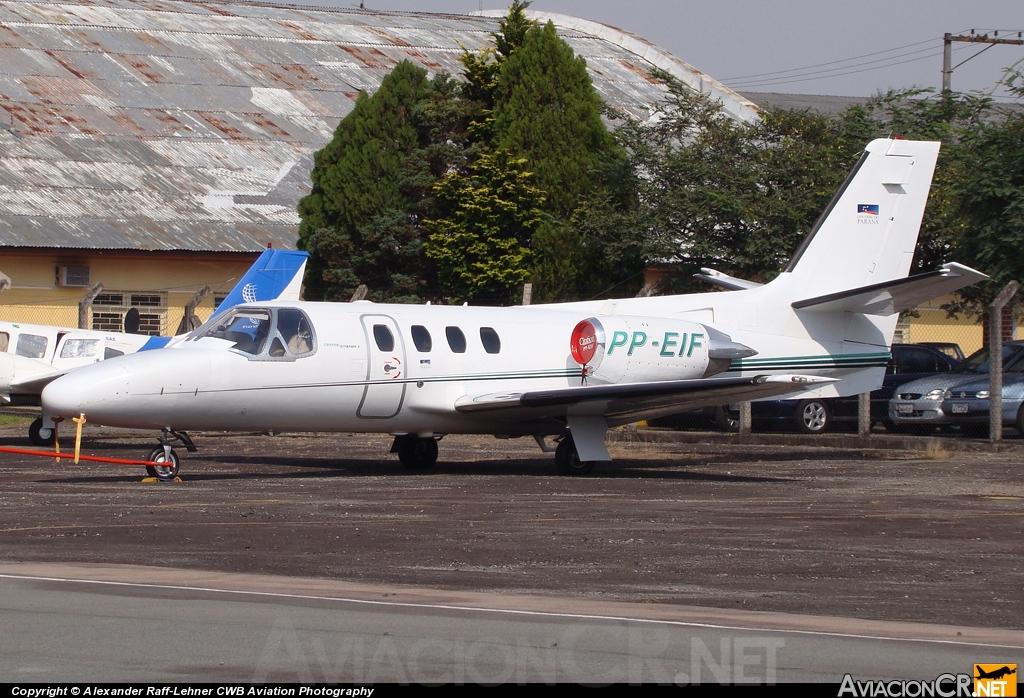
(504, 611)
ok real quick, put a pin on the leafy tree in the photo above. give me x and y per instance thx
(734, 196)
(991, 195)
(481, 237)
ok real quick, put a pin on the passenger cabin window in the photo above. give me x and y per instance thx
(421, 338)
(275, 334)
(383, 337)
(109, 353)
(80, 348)
(456, 340)
(490, 340)
(31, 345)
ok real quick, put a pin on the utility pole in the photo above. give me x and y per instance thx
(972, 38)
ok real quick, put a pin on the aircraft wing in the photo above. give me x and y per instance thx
(895, 296)
(624, 403)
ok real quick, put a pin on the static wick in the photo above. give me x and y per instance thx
(79, 421)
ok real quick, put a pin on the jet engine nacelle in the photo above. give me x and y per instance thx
(628, 349)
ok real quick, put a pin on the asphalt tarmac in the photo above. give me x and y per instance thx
(843, 532)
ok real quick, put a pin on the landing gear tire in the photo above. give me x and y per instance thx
(726, 419)
(1019, 422)
(567, 460)
(812, 417)
(36, 436)
(168, 468)
(417, 453)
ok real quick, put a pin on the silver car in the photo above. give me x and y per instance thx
(917, 406)
(967, 405)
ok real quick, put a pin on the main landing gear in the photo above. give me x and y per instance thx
(567, 460)
(415, 452)
(164, 456)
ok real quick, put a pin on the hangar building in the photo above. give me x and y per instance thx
(157, 146)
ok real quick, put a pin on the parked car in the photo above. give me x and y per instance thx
(967, 405)
(817, 415)
(950, 349)
(917, 406)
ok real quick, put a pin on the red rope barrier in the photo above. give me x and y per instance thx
(71, 457)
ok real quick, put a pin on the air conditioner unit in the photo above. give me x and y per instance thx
(72, 276)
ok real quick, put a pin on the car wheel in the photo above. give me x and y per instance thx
(812, 416)
(1019, 422)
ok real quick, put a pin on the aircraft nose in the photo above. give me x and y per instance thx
(139, 390)
(86, 390)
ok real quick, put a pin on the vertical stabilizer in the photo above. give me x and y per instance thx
(275, 275)
(868, 233)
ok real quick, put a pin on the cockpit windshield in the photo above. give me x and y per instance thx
(263, 333)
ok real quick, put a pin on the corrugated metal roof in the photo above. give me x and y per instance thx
(170, 125)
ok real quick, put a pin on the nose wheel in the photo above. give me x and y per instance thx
(166, 468)
(167, 464)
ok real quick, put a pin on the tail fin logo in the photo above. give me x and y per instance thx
(249, 293)
(867, 214)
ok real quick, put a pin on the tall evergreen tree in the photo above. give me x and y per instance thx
(360, 221)
(546, 110)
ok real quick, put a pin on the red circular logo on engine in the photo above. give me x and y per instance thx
(584, 342)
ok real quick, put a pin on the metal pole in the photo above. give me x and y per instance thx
(746, 419)
(995, 361)
(947, 62)
(85, 304)
(864, 414)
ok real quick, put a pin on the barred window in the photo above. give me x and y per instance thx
(109, 309)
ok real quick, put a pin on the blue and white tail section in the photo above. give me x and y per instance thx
(275, 275)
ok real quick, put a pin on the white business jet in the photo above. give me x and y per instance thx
(569, 371)
(32, 356)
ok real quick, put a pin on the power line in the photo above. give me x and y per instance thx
(830, 72)
(833, 74)
(821, 65)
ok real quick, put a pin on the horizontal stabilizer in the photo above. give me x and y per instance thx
(730, 283)
(624, 403)
(895, 296)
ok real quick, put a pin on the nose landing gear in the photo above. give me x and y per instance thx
(164, 456)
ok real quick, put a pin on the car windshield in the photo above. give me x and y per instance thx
(978, 361)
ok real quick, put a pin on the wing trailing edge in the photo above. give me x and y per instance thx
(624, 403)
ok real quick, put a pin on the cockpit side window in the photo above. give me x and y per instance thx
(282, 334)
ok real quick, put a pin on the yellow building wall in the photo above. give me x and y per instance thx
(35, 297)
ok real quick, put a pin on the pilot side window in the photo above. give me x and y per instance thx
(5, 340)
(383, 337)
(31, 345)
(421, 338)
(490, 340)
(456, 340)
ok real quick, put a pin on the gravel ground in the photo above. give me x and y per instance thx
(921, 533)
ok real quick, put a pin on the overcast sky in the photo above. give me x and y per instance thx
(739, 41)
